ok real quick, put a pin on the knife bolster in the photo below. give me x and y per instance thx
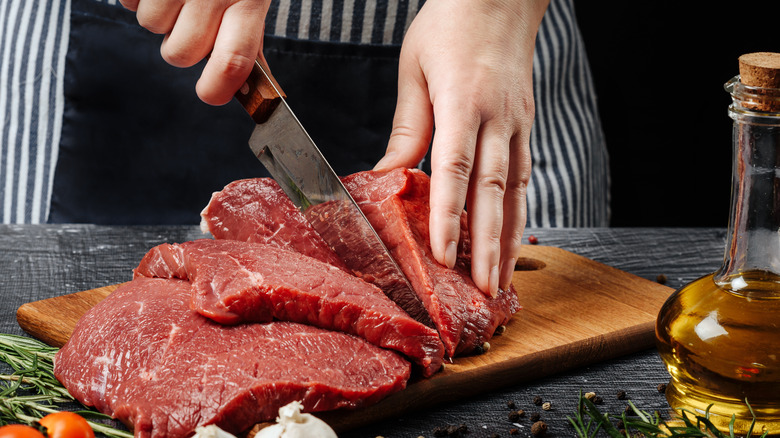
(260, 95)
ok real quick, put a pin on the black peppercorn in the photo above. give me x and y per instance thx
(535, 416)
(538, 401)
(539, 428)
(621, 395)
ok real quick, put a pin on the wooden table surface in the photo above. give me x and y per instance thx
(43, 261)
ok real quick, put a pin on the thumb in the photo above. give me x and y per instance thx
(412, 123)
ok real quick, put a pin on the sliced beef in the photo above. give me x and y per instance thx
(343, 225)
(143, 356)
(397, 205)
(235, 282)
(257, 210)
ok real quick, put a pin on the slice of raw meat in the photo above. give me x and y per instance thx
(257, 210)
(141, 355)
(234, 282)
(397, 205)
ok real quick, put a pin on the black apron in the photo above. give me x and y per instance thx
(139, 147)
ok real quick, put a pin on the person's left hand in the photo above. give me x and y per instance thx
(466, 67)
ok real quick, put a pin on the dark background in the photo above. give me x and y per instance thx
(659, 70)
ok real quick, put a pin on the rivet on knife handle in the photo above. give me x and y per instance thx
(260, 94)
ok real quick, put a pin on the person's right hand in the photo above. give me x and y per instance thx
(230, 32)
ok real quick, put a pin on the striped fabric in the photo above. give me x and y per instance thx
(346, 21)
(570, 180)
(570, 177)
(33, 42)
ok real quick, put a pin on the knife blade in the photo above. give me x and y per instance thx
(292, 158)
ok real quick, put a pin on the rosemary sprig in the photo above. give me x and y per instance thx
(31, 391)
(588, 420)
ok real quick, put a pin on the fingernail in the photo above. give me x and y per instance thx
(493, 281)
(451, 254)
(507, 269)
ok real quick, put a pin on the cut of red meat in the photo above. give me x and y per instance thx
(143, 356)
(257, 210)
(235, 282)
(397, 205)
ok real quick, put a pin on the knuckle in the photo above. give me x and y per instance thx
(233, 66)
(403, 133)
(152, 25)
(178, 56)
(518, 187)
(513, 243)
(452, 213)
(457, 167)
(492, 183)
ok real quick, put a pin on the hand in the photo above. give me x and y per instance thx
(231, 31)
(466, 67)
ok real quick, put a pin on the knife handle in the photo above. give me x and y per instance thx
(260, 94)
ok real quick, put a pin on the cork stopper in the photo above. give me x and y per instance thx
(762, 69)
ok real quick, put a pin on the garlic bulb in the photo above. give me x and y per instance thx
(291, 423)
(211, 431)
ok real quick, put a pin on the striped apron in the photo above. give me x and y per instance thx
(77, 145)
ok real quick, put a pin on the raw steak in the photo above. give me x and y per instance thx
(144, 357)
(396, 204)
(257, 210)
(234, 282)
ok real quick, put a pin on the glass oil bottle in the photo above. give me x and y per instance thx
(719, 336)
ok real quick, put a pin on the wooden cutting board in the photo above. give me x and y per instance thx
(575, 312)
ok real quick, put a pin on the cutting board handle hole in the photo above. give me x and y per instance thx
(527, 264)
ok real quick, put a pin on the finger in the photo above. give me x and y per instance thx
(158, 16)
(237, 45)
(452, 156)
(412, 122)
(131, 5)
(515, 206)
(193, 34)
(486, 204)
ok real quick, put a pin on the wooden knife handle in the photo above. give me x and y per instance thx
(260, 94)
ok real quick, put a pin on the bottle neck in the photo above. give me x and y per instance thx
(753, 249)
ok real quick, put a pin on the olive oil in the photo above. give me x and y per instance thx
(719, 336)
(721, 343)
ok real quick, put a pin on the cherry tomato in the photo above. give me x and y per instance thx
(19, 431)
(66, 424)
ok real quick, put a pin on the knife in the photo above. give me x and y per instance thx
(289, 154)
